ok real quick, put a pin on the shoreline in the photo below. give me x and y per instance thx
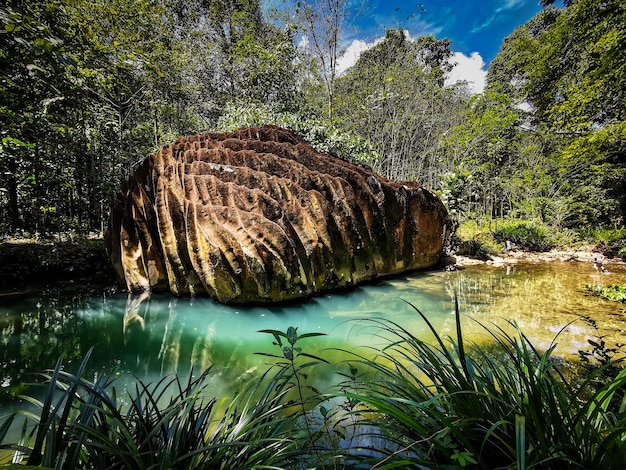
(570, 256)
(28, 262)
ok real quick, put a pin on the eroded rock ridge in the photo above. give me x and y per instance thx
(258, 215)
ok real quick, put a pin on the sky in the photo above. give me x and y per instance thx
(475, 27)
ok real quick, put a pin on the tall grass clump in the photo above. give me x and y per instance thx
(406, 403)
(448, 405)
(173, 423)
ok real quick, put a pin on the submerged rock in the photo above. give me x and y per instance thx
(258, 215)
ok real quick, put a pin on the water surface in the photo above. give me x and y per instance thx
(147, 337)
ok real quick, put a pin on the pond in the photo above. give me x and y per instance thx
(147, 337)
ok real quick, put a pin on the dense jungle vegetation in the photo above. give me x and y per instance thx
(89, 88)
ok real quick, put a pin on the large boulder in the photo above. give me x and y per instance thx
(258, 215)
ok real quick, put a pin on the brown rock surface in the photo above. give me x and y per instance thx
(258, 215)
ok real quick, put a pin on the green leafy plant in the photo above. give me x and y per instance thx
(614, 293)
(292, 373)
(506, 406)
(526, 236)
(173, 423)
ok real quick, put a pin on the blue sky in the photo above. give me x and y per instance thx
(475, 27)
(471, 25)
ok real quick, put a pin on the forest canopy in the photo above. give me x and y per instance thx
(90, 87)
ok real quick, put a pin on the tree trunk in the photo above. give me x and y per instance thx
(14, 208)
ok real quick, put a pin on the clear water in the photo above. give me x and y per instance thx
(148, 337)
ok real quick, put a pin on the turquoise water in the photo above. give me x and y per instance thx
(147, 337)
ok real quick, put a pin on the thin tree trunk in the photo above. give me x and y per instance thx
(14, 208)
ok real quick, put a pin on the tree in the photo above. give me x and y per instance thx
(32, 81)
(394, 98)
(89, 88)
(568, 65)
(507, 72)
(323, 23)
(484, 148)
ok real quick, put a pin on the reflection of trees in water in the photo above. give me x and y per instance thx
(37, 330)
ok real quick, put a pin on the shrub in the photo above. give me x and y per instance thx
(475, 248)
(564, 238)
(526, 236)
(610, 242)
(323, 136)
(480, 245)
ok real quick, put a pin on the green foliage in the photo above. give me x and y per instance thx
(566, 66)
(321, 135)
(169, 424)
(395, 99)
(410, 403)
(484, 147)
(563, 238)
(89, 88)
(454, 189)
(610, 241)
(293, 366)
(525, 236)
(568, 63)
(614, 293)
(476, 248)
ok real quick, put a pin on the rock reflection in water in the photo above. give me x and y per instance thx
(147, 337)
(155, 331)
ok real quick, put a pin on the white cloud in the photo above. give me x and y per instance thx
(468, 69)
(304, 42)
(351, 55)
